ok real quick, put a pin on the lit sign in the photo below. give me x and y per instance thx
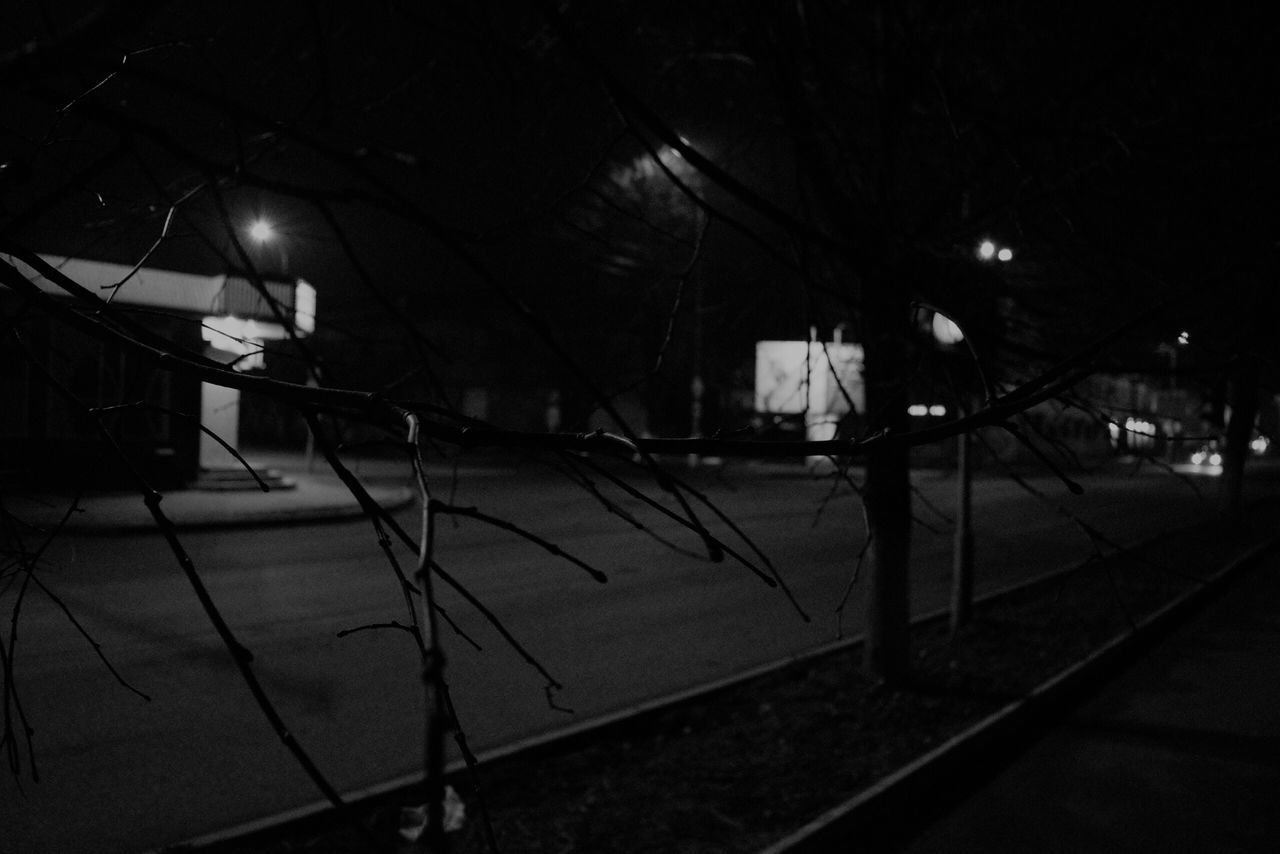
(813, 377)
(304, 308)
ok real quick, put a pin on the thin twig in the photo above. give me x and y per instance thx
(475, 513)
(569, 469)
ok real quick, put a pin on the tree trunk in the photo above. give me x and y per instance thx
(888, 488)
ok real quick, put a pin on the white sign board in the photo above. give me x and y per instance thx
(820, 378)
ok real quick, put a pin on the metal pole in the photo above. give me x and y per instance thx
(311, 439)
(962, 548)
(696, 386)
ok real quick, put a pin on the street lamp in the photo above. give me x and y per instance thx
(948, 334)
(946, 331)
(262, 231)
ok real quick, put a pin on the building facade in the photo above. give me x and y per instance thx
(51, 373)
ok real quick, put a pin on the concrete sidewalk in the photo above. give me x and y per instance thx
(314, 493)
(1181, 752)
(313, 496)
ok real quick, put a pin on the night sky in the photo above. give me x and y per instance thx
(454, 134)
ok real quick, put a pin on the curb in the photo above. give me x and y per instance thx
(877, 815)
(213, 519)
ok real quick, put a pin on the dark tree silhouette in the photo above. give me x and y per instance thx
(591, 184)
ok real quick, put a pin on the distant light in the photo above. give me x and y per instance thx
(917, 410)
(938, 410)
(1005, 254)
(986, 250)
(945, 330)
(1215, 459)
(1141, 433)
(241, 336)
(304, 308)
(262, 231)
(1260, 444)
(1184, 337)
(672, 158)
(1139, 426)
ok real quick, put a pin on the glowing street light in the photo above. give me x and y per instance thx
(262, 231)
(946, 331)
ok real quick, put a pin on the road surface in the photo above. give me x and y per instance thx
(120, 774)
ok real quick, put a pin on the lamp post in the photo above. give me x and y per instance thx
(962, 544)
(948, 335)
(696, 385)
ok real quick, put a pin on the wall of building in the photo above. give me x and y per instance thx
(46, 440)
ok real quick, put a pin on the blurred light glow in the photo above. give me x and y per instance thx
(938, 410)
(239, 336)
(1206, 457)
(945, 330)
(1260, 444)
(1005, 254)
(917, 410)
(304, 308)
(986, 250)
(1184, 337)
(1141, 434)
(262, 231)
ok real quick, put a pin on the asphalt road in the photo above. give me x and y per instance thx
(118, 773)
